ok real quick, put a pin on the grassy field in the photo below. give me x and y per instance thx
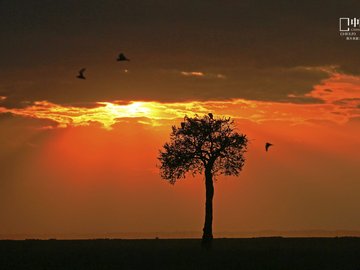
(250, 253)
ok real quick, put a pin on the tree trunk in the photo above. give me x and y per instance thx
(207, 230)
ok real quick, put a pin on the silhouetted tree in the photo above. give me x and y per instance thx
(203, 145)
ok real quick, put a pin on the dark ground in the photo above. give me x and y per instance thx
(256, 253)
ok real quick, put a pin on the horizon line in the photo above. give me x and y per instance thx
(181, 235)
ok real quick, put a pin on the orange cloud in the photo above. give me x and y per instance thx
(340, 94)
(338, 87)
(192, 73)
(202, 74)
(154, 113)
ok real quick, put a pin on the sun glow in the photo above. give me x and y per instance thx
(339, 101)
(155, 113)
(106, 113)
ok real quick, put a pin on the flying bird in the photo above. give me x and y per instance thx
(211, 115)
(81, 74)
(122, 57)
(267, 145)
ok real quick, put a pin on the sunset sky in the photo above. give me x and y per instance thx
(78, 158)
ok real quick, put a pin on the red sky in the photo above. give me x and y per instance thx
(79, 158)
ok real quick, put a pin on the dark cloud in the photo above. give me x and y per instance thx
(258, 45)
(267, 84)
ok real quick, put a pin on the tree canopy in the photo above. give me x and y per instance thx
(203, 143)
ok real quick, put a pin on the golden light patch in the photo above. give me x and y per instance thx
(340, 96)
(152, 113)
(192, 73)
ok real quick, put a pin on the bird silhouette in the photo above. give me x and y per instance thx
(267, 145)
(182, 125)
(122, 57)
(211, 115)
(81, 74)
